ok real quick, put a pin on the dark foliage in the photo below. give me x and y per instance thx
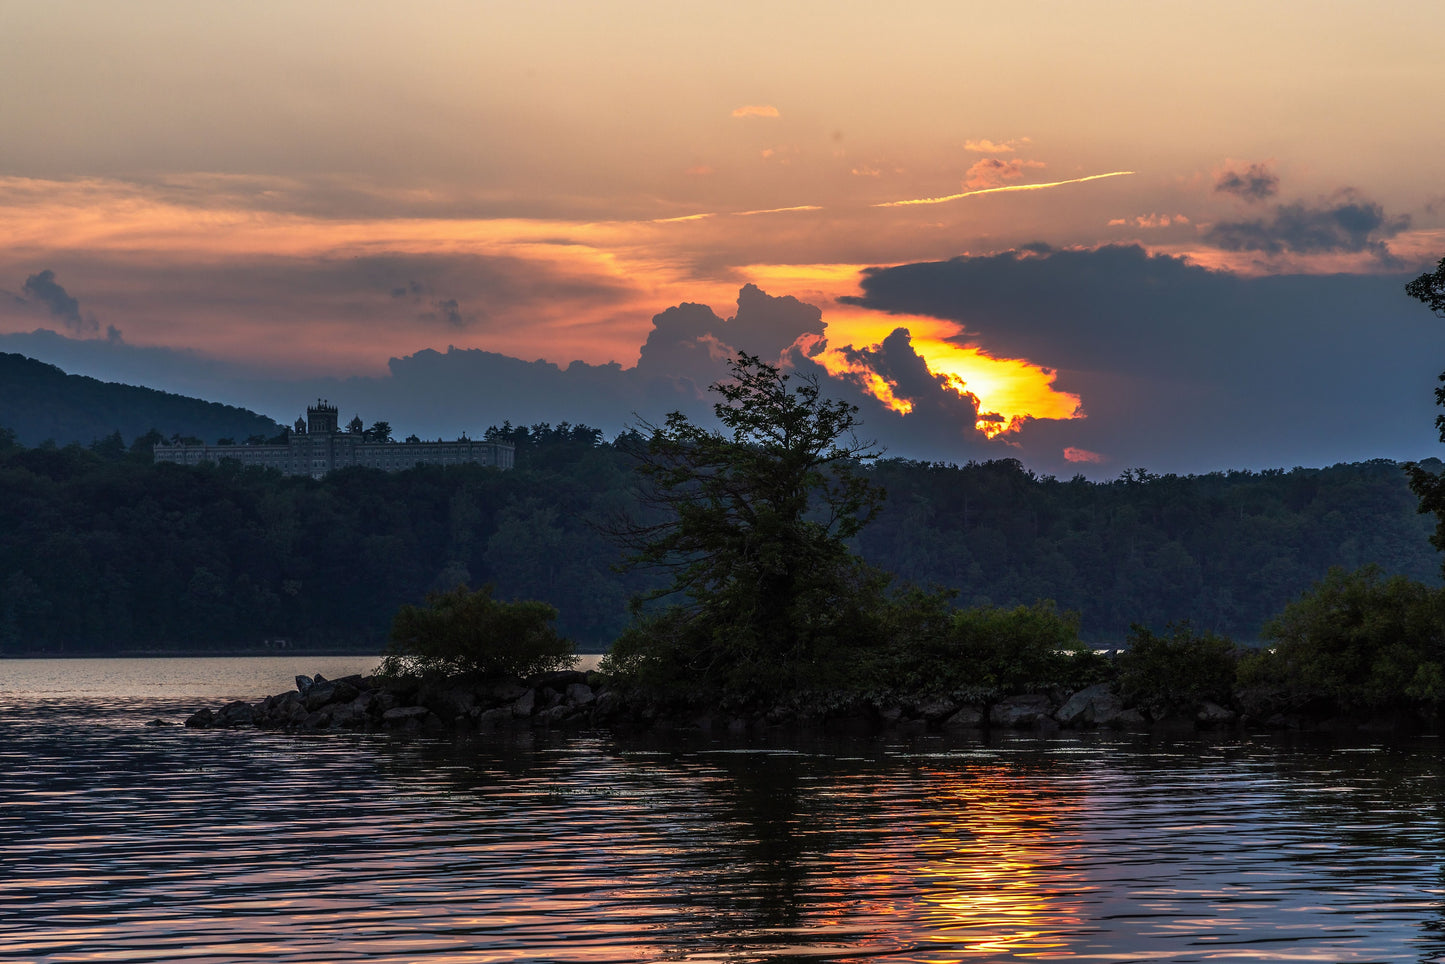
(100, 550)
(466, 632)
(752, 527)
(1176, 672)
(1427, 482)
(39, 402)
(1361, 640)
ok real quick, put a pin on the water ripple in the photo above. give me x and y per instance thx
(126, 843)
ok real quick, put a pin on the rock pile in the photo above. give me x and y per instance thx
(572, 699)
(566, 698)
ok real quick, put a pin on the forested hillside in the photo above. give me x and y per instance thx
(40, 402)
(100, 550)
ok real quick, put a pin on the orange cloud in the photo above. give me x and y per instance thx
(700, 170)
(987, 146)
(991, 172)
(756, 110)
(1150, 220)
(1072, 454)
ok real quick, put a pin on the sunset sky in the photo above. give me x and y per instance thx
(1090, 236)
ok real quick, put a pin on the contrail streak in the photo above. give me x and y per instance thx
(1000, 190)
(685, 217)
(798, 207)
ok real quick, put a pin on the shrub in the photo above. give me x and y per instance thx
(461, 631)
(1176, 671)
(992, 651)
(1363, 640)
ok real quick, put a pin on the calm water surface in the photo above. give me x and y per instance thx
(127, 843)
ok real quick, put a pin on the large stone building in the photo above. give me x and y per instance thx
(318, 445)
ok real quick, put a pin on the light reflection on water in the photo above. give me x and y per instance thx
(121, 842)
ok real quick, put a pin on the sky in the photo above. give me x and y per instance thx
(1089, 236)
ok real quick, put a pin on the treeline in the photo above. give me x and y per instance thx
(102, 551)
(39, 401)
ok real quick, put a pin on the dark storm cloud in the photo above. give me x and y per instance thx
(1185, 369)
(1255, 183)
(43, 287)
(1347, 223)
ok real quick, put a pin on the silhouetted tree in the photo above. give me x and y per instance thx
(1428, 486)
(754, 526)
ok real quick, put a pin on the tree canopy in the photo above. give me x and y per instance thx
(753, 525)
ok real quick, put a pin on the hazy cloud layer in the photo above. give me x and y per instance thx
(1344, 223)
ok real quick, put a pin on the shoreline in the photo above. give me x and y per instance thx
(588, 700)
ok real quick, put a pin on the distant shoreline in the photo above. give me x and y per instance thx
(220, 653)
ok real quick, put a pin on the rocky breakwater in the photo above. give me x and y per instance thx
(372, 703)
(577, 700)
(571, 699)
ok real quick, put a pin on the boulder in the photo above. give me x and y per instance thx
(239, 713)
(304, 684)
(554, 715)
(493, 718)
(525, 704)
(319, 695)
(966, 717)
(1020, 711)
(934, 708)
(1095, 705)
(558, 679)
(401, 714)
(504, 690)
(201, 719)
(449, 704)
(1128, 719)
(1212, 714)
(890, 714)
(579, 694)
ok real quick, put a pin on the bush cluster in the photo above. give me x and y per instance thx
(466, 632)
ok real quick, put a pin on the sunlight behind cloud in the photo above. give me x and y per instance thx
(1008, 391)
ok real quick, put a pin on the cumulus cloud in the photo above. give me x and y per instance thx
(1346, 222)
(1255, 183)
(1181, 368)
(690, 341)
(992, 171)
(756, 110)
(43, 288)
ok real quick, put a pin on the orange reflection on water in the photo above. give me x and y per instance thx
(985, 872)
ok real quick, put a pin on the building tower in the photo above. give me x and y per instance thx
(321, 418)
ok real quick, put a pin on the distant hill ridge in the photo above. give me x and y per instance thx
(39, 401)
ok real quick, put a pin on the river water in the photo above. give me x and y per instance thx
(121, 842)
